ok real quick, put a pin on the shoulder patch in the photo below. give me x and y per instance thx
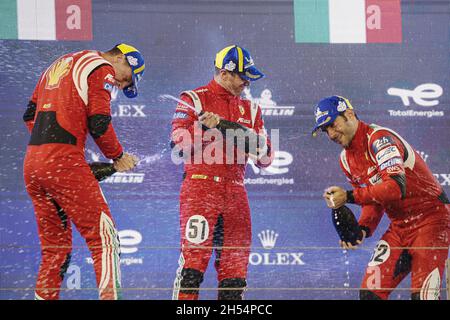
(391, 163)
(181, 107)
(110, 78)
(180, 115)
(201, 90)
(382, 143)
(108, 86)
(109, 82)
(387, 154)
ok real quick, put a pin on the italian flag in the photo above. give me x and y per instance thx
(348, 21)
(46, 19)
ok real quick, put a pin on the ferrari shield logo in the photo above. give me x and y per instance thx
(242, 110)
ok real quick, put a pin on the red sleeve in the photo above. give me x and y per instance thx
(388, 152)
(184, 130)
(371, 214)
(259, 128)
(370, 217)
(182, 123)
(100, 83)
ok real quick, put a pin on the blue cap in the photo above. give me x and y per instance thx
(137, 64)
(328, 109)
(237, 59)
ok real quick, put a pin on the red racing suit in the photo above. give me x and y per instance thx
(71, 99)
(214, 209)
(390, 176)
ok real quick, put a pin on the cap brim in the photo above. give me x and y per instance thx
(132, 90)
(252, 74)
(328, 120)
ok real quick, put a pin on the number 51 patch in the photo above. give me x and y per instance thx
(197, 229)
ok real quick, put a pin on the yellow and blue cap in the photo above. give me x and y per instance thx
(237, 59)
(136, 61)
(328, 109)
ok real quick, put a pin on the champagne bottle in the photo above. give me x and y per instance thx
(346, 225)
(252, 140)
(102, 170)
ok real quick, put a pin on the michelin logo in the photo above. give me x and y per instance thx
(122, 177)
(268, 106)
(391, 163)
(118, 177)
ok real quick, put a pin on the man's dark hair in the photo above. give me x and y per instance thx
(114, 51)
(343, 115)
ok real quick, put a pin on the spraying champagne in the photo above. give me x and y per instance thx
(253, 141)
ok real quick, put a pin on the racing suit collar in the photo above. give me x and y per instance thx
(360, 136)
(219, 90)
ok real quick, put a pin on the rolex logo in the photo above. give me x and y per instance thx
(273, 258)
(268, 238)
(423, 155)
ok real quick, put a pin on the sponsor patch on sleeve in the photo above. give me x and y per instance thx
(181, 107)
(391, 163)
(376, 179)
(395, 170)
(110, 78)
(382, 143)
(180, 115)
(108, 86)
(109, 82)
(386, 154)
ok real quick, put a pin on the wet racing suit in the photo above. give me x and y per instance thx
(214, 209)
(71, 99)
(389, 176)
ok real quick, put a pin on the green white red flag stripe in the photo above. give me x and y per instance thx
(348, 21)
(46, 19)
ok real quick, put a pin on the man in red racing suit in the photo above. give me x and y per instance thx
(388, 175)
(71, 99)
(214, 209)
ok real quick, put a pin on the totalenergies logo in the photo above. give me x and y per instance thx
(57, 71)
